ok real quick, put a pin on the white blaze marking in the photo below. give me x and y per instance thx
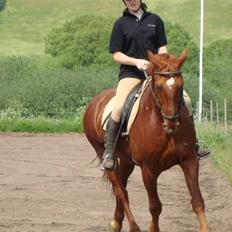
(170, 82)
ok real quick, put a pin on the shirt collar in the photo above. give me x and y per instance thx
(127, 13)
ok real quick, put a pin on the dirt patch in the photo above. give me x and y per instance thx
(47, 185)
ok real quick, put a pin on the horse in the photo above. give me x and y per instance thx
(161, 136)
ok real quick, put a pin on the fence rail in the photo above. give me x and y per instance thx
(215, 115)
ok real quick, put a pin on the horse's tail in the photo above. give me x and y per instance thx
(93, 128)
(92, 161)
(104, 177)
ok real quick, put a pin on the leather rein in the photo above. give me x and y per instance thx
(167, 75)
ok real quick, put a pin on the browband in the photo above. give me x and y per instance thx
(169, 74)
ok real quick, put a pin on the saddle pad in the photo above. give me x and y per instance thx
(134, 111)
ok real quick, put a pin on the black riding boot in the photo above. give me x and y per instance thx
(109, 160)
(201, 153)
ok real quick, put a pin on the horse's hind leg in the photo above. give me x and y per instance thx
(191, 171)
(124, 171)
(119, 181)
(155, 207)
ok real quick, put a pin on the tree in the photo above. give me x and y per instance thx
(81, 42)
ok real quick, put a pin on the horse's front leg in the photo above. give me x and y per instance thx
(122, 204)
(191, 172)
(155, 206)
(124, 171)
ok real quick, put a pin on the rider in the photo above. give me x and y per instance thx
(133, 33)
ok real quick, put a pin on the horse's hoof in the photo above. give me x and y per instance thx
(151, 228)
(114, 227)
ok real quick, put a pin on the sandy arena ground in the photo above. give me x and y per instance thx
(47, 185)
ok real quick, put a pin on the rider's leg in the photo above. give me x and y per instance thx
(124, 87)
(201, 153)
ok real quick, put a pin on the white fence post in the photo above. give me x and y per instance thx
(225, 117)
(217, 114)
(211, 111)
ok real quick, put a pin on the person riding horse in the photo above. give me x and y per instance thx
(162, 135)
(133, 34)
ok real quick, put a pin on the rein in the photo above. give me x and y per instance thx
(168, 75)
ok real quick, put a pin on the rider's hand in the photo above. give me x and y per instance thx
(141, 64)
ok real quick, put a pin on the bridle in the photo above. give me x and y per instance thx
(167, 75)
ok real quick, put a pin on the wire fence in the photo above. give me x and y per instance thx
(218, 114)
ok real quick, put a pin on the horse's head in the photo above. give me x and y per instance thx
(167, 86)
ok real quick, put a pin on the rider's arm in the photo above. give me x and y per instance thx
(121, 58)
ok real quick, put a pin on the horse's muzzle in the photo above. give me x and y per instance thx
(171, 126)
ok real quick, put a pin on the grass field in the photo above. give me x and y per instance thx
(213, 136)
(24, 23)
(42, 125)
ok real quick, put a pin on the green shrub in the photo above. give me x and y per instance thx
(178, 40)
(217, 74)
(219, 48)
(2, 4)
(35, 87)
(62, 91)
(83, 41)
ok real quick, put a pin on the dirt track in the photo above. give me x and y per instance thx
(46, 185)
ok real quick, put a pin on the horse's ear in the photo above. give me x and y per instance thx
(154, 60)
(150, 55)
(182, 58)
(150, 69)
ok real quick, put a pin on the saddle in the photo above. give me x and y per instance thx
(130, 109)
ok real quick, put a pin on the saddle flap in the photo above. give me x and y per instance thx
(107, 111)
(130, 110)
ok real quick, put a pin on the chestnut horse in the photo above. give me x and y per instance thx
(161, 136)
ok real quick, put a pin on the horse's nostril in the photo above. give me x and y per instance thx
(165, 125)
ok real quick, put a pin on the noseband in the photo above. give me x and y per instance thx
(167, 75)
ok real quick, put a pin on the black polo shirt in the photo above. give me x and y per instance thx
(133, 37)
